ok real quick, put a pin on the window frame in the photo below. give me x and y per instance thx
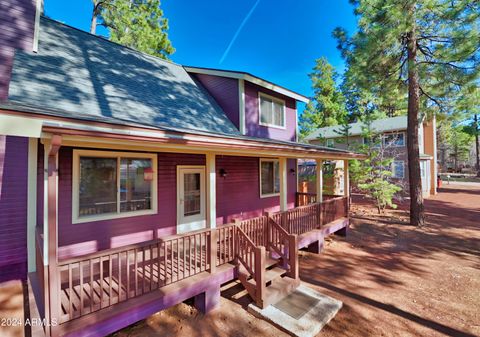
(273, 99)
(76, 218)
(393, 169)
(268, 160)
(330, 142)
(385, 135)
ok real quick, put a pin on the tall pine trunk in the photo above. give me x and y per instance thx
(93, 22)
(417, 216)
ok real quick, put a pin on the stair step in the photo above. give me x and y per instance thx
(279, 289)
(269, 262)
(270, 275)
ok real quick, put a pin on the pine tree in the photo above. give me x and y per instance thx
(327, 106)
(138, 24)
(422, 50)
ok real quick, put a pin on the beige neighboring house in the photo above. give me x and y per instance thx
(394, 133)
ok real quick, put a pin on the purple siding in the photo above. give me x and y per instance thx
(13, 207)
(238, 194)
(252, 126)
(17, 20)
(84, 238)
(225, 91)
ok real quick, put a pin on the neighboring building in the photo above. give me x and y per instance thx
(121, 177)
(394, 136)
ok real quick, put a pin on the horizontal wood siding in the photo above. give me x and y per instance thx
(13, 207)
(253, 128)
(79, 239)
(17, 21)
(238, 194)
(225, 91)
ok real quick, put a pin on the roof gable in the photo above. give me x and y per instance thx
(84, 75)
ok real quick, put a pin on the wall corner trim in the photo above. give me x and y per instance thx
(241, 106)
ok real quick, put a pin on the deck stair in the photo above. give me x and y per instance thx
(267, 263)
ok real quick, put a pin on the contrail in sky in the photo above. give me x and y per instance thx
(249, 14)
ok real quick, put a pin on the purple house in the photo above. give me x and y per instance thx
(129, 184)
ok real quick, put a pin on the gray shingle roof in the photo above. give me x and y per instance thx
(86, 76)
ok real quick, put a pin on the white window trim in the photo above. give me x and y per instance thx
(330, 140)
(275, 99)
(393, 169)
(395, 133)
(266, 160)
(76, 219)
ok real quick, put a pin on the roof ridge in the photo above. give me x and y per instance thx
(103, 38)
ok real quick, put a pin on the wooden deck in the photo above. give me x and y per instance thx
(111, 279)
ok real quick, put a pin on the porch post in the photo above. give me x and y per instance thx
(346, 180)
(32, 203)
(319, 180)
(283, 184)
(211, 191)
(52, 217)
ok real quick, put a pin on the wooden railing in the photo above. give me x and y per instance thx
(245, 251)
(226, 244)
(306, 198)
(333, 209)
(256, 229)
(96, 281)
(100, 280)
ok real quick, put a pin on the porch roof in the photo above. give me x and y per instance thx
(29, 121)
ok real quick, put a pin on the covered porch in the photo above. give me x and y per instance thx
(86, 293)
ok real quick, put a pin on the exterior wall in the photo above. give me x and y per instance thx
(84, 238)
(252, 117)
(225, 91)
(339, 143)
(13, 207)
(17, 20)
(238, 194)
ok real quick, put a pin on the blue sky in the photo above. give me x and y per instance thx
(279, 40)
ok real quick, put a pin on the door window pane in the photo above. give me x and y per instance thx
(98, 186)
(135, 191)
(192, 194)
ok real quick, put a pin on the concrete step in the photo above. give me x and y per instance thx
(279, 289)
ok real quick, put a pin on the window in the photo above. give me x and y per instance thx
(394, 139)
(398, 169)
(269, 177)
(330, 143)
(272, 111)
(109, 185)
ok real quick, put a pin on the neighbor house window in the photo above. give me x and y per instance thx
(394, 139)
(398, 169)
(111, 184)
(269, 177)
(330, 143)
(272, 111)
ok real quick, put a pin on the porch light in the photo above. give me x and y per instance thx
(148, 174)
(223, 173)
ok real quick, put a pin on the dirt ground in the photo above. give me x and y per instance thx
(394, 279)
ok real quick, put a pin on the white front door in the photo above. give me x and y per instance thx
(191, 213)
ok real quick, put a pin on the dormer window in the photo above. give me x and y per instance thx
(272, 111)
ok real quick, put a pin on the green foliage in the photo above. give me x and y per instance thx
(373, 174)
(460, 143)
(138, 24)
(446, 35)
(327, 106)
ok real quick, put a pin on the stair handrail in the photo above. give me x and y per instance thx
(247, 259)
(276, 236)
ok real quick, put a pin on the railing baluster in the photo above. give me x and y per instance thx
(91, 284)
(81, 287)
(110, 280)
(135, 270)
(119, 277)
(70, 292)
(100, 281)
(127, 268)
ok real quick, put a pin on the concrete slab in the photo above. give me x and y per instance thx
(322, 309)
